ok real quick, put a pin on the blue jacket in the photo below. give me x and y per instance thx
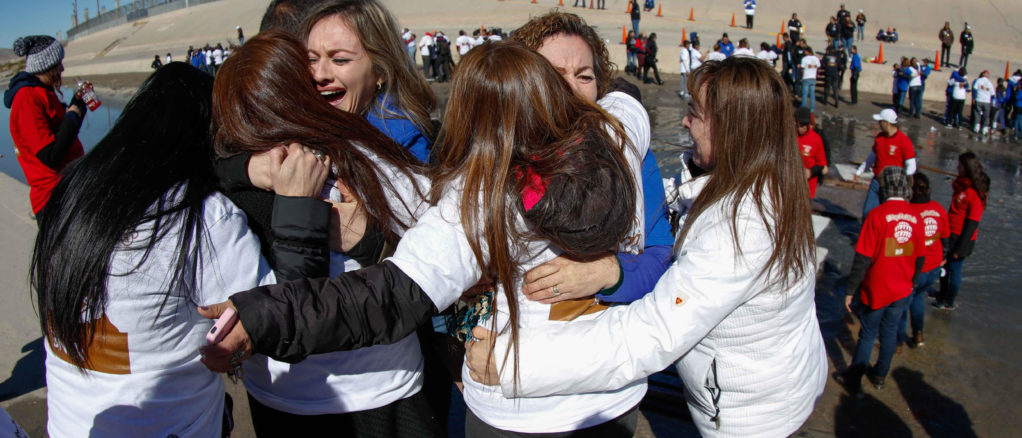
(856, 63)
(401, 130)
(727, 48)
(750, 4)
(903, 79)
(1018, 99)
(641, 272)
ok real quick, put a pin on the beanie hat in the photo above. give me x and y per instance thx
(44, 52)
(894, 183)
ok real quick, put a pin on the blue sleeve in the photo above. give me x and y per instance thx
(641, 272)
(404, 132)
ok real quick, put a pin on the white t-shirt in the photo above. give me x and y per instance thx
(347, 381)
(424, 44)
(716, 56)
(218, 56)
(767, 55)
(744, 51)
(984, 90)
(479, 40)
(147, 379)
(494, 37)
(209, 57)
(959, 89)
(464, 43)
(917, 79)
(809, 65)
(696, 58)
(407, 38)
(439, 231)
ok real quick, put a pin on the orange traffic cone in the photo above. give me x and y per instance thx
(732, 19)
(778, 40)
(880, 57)
(533, 1)
(782, 27)
(660, 10)
(590, 3)
(560, 3)
(624, 35)
(1007, 68)
(691, 14)
(684, 35)
(629, 10)
(938, 61)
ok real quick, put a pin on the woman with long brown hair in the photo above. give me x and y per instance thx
(736, 307)
(542, 174)
(357, 393)
(968, 201)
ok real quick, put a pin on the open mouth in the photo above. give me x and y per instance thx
(333, 96)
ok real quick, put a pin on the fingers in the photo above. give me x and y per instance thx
(214, 311)
(301, 173)
(222, 357)
(541, 277)
(481, 333)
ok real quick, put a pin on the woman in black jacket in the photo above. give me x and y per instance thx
(651, 51)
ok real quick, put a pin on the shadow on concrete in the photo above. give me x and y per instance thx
(867, 417)
(939, 415)
(29, 373)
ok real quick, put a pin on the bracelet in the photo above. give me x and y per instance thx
(620, 279)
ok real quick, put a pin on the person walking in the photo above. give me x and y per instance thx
(810, 147)
(810, 63)
(45, 134)
(967, 45)
(891, 147)
(632, 66)
(936, 232)
(750, 12)
(947, 38)
(635, 16)
(968, 201)
(853, 80)
(794, 28)
(651, 53)
(888, 258)
(860, 25)
(832, 73)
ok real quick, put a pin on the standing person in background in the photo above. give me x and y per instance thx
(968, 201)
(578, 1)
(716, 54)
(902, 76)
(426, 51)
(744, 49)
(408, 38)
(915, 88)
(947, 39)
(444, 59)
(750, 12)
(170, 58)
(463, 43)
(847, 35)
(891, 147)
(788, 64)
(156, 64)
(842, 13)
(241, 35)
(794, 28)
(651, 53)
(685, 66)
(631, 64)
(832, 72)
(983, 94)
(45, 134)
(635, 16)
(860, 26)
(967, 45)
(889, 255)
(936, 233)
(766, 54)
(833, 32)
(601, 4)
(1017, 97)
(810, 63)
(726, 46)
(218, 58)
(958, 87)
(853, 81)
(810, 147)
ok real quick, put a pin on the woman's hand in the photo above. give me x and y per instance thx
(301, 173)
(479, 357)
(565, 279)
(264, 165)
(232, 350)
(348, 220)
(848, 303)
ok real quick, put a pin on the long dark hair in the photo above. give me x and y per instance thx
(510, 113)
(755, 159)
(264, 96)
(973, 170)
(155, 165)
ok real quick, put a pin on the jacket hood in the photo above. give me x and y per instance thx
(20, 80)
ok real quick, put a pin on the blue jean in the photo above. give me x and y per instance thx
(917, 308)
(632, 59)
(1018, 122)
(635, 27)
(872, 197)
(915, 99)
(848, 46)
(950, 284)
(809, 93)
(900, 100)
(882, 322)
(860, 32)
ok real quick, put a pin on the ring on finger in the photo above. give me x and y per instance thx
(556, 291)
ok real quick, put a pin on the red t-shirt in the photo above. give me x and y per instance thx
(810, 146)
(36, 115)
(892, 151)
(892, 236)
(965, 204)
(935, 227)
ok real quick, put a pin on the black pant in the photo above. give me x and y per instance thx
(955, 116)
(427, 63)
(409, 417)
(853, 83)
(945, 55)
(794, 36)
(645, 72)
(622, 427)
(831, 84)
(964, 59)
(748, 21)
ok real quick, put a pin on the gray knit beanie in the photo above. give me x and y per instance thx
(894, 183)
(44, 52)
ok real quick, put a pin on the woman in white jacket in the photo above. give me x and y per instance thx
(736, 307)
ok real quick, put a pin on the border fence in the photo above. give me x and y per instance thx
(135, 10)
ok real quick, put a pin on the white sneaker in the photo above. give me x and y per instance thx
(986, 130)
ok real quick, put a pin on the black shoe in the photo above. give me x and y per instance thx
(850, 382)
(659, 82)
(877, 381)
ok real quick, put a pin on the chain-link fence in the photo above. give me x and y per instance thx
(135, 10)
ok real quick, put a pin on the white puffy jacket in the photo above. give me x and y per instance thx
(755, 345)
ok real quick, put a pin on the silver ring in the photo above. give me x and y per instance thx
(556, 291)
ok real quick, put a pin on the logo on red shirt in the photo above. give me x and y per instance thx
(902, 232)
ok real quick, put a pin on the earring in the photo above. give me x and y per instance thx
(379, 86)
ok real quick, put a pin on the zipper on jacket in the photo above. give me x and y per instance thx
(714, 387)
